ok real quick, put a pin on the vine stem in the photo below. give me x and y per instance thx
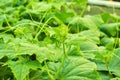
(63, 60)
(7, 21)
(42, 28)
(82, 12)
(50, 76)
(107, 66)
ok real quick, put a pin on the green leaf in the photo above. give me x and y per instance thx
(77, 24)
(91, 35)
(103, 55)
(6, 51)
(27, 48)
(108, 42)
(49, 53)
(21, 68)
(114, 63)
(6, 37)
(110, 29)
(73, 68)
(88, 46)
(104, 75)
(74, 51)
(89, 49)
(106, 17)
(84, 36)
(82, 23)
(41, 6)
(117, 78)
(96, 19)
(64, 16)
(58, 33)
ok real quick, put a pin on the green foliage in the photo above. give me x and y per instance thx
(73, 68)
(55, 40)
(21, 68)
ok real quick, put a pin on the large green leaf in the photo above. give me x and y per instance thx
(49, 53)
(92, 22)
(110, 29)
(117, 78)
(104, 56)
(108, 17)
(77, 24)
(82, 23)
(74, 51)
(23, 47)
(21, 68)
(75, 39)
(88, 46)
(41, 6)
(42, 53)
(89, 49)
(91, 35)
(107, 41)
(84, 36)
(73, 68)
(104, 75)
(114, 63)
(5, 48)
(6, 51)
